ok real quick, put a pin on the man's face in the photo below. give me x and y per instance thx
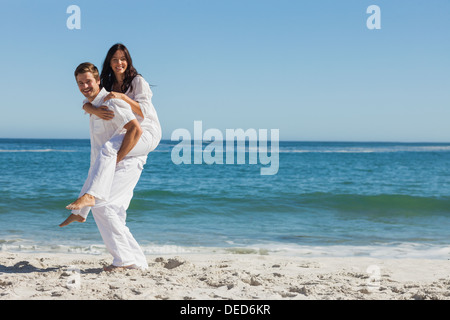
(88, 86)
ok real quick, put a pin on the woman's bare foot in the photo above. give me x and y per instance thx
(72, 218)
(86, 200)
(116, 268)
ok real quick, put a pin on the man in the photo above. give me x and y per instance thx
(110, 214)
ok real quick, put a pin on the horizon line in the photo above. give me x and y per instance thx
(285, 140)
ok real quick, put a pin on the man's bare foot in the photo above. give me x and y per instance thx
(116, 268)
(72, 218)
(86, 200)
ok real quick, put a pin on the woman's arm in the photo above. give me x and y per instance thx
(135, 106)
(102, 112)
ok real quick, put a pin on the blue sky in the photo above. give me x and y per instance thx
(311, 69)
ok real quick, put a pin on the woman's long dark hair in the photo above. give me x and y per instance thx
(107, 77)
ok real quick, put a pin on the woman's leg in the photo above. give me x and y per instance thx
(102, 176)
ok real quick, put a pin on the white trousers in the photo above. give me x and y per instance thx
(110, 216)
(113, 184)
(101, 173)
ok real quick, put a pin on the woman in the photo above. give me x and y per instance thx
(122, 80)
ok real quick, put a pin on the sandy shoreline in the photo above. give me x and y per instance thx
(34, 276)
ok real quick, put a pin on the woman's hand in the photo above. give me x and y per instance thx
(104, 113)
(114, 95)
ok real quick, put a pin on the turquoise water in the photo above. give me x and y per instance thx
(327, 199)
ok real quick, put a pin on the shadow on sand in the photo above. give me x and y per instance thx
(26, 267)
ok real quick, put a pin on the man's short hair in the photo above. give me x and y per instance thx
(87, 67)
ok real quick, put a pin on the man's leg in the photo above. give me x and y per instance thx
(99, 182)
(79, 215)
(110, 216)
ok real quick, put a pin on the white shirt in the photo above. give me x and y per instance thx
(101, 131)
(140, 92)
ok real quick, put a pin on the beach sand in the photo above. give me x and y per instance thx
(34, 276)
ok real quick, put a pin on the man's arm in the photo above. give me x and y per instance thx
(130, 140)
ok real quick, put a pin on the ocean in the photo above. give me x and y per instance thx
(327, 199)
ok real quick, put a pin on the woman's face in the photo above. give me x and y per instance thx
(118, 62)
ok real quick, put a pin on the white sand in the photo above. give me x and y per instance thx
(232, 276)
